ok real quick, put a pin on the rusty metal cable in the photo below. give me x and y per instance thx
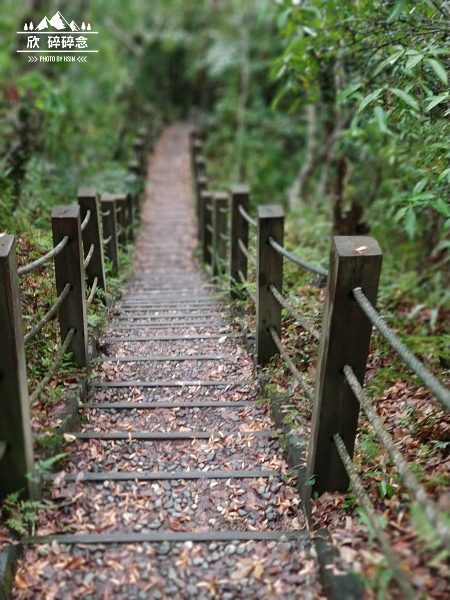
(308, 390)
(297, 316)
(364, 499)
(425, 375)
(49, 316)
(44, 259)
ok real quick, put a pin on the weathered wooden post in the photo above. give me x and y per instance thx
(15, 426)
(239, 231)
(69, 269)
(355, 262)
(269, 272)
(137, 197)
(109, 217)
(202, 185)
(207, 226)
(138, 147)
(88, 200)
(131, 216)
(219, 224)
(122, 217)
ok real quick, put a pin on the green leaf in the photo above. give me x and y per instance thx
(370, 98)
(438, 69)
(420, 185)
(436, 100)
(348, 91)
(410, 223)
(407, 98)
(380, 117)
(396, 11)
(443, 207)
(413, 61)
(390, 60)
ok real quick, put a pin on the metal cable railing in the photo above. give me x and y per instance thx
(246, 253)
(118, 209)
(86, 220)
(308, 390)
(224, 211)
(295, 259)
(297, 316)
(48, 317)
(426, 376)
(106, 213)
(108, 239)
(44, 259)
(246, 216)
(409, 479)
(224, 237)
(88, 258)
(92, 294)
(246, 284)
(362, 496)
(56, 363)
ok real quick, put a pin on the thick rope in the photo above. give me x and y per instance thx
(44, 259)
(297, 316)
(49, 316)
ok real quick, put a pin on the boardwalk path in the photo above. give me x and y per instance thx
(175, 487)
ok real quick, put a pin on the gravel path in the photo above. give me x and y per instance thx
(210, 524)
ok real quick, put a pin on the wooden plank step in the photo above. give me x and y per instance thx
(84, 476)
(169, 536)
(169, 338)
(156, 358)
(164, 435)
(159, 404)
(166, 325)
(170, 383)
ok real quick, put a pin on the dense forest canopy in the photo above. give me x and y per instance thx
(341, 105)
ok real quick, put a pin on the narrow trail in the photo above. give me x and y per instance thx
(175, 485)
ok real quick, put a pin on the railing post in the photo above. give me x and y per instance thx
(219, 223)
(207, 226)
(239, 230)
(131, 216)
(15, 427)
(88, 200)
(202, 186)
(355, 262)
(69, 269)
(270, 272)
(110, 235)
(122, 217)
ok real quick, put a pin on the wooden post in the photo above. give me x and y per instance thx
(110, 235)
(202, 185)
(270, 272)
(15, 425)
(131, 216)
(355, 262)
(122, 218)
(207, 225)
(239, 231)
(88, 200)
(69, 269)
(138, 147)
(219, 223)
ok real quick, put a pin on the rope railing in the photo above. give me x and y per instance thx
(246, 253)
(89, 256)
(48, 317)
(44, 259)
(246, 284)
(209, 207)
(410, 480)
(108, 239)
(297, 316)
(246, 216)
(105, 213)
(308, 390)
(210, 228)
(118, 209)
(296, 260)
(424, 374)
(56, 363)
(224, 211)
(364, 499)
(92, 294)
(86, 220)
(224, 237)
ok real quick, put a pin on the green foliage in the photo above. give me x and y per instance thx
(21, 515)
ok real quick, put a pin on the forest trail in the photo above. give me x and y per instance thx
(175, 486)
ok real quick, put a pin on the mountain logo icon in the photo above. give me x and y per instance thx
(57, 22)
